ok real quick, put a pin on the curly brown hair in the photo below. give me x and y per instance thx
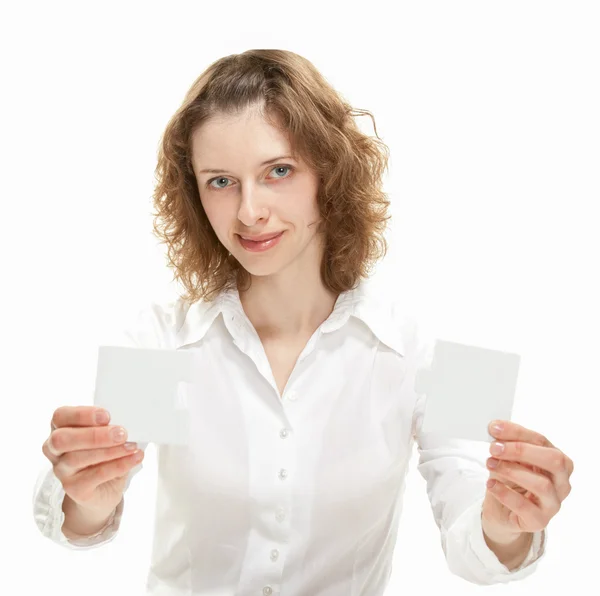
(320, 126)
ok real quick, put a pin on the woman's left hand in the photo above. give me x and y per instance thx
(530, 482)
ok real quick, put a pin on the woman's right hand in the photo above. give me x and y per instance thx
(89, 458)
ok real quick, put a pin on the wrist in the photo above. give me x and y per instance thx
(500, 536)
(83, 522)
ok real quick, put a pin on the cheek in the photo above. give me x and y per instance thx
(217, 217)
(312, 217)
(303, 212)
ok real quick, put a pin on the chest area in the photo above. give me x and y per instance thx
(349, 409)
(282, 357)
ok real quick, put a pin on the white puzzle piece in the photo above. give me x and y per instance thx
(146, 392)
(466, 388)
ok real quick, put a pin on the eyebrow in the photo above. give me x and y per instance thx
(264, 163)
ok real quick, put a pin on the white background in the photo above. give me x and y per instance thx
(491, 112)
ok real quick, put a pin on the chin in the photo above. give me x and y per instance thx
(260, 269)
(263, 267)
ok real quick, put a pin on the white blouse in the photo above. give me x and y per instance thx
(299, 493)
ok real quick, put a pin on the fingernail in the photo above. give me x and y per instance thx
(492, 463)
(498, 427)
(102, 417)
(119, 434)
(497, 448)
(130, 446)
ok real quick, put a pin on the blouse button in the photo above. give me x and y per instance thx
(283, 433)
(280, 515)
(291, 396)
(267, 590)
(274, 554)
(283, 474)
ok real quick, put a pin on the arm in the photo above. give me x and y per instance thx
(50, 503)
(55, 515)
(456, 474)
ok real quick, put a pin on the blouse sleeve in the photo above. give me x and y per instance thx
(456, 474)
(148, 330)
(48, 496)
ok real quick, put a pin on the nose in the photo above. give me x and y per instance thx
(253, 206)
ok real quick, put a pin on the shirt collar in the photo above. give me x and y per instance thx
(375, 309)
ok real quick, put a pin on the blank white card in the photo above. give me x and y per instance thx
(466, 388)
(146, 392)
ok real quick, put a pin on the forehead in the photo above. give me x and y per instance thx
(228, 136)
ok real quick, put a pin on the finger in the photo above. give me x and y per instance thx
(549, 459)
(48, 451)
(66, 439)
(73, 462)
(539, 485)
(78, 416)
(82, 484)
(530, 517)
(515, 432)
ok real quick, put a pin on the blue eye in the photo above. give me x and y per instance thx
(209, 183)
(282, 168)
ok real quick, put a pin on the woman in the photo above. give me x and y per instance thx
(269, 200)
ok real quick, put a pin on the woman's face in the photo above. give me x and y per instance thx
(243, 196)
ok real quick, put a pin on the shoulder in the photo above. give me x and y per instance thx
(396, 322)
(171, 324)
(154, 324)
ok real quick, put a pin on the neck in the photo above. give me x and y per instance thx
(290, 303)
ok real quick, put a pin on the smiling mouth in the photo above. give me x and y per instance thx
(261, 245)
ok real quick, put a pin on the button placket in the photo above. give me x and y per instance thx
(285, 447)
(284, 433)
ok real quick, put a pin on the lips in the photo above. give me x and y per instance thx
(263, 245)
(262, 238)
